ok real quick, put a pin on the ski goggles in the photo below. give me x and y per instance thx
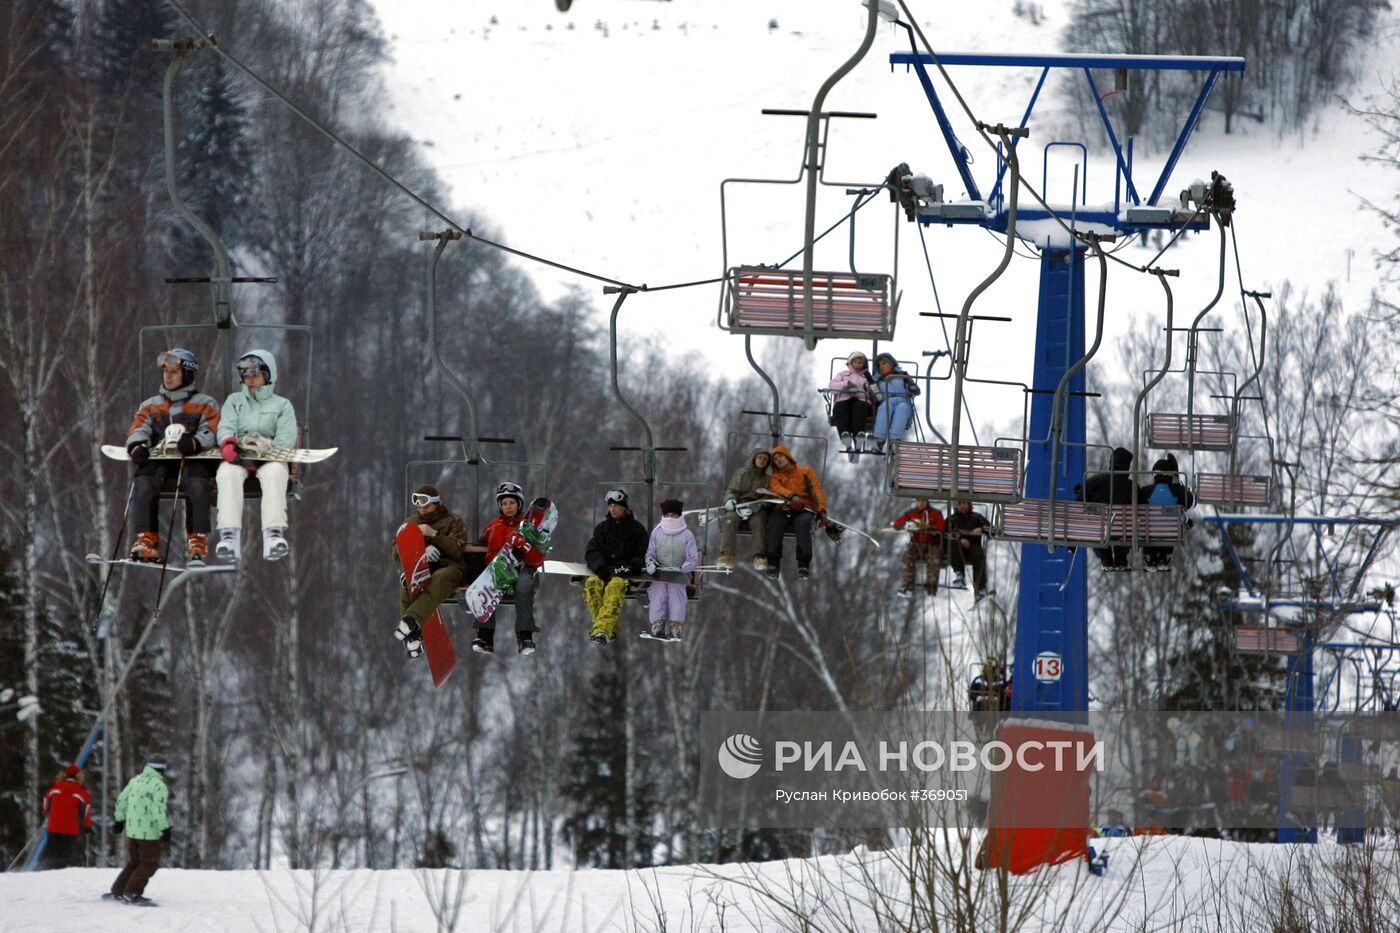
(618, 496)
(168, 360)
(421, 499)
(251, 366)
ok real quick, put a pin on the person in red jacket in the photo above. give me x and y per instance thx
(68, 806)
(925, 546)
(497, 534)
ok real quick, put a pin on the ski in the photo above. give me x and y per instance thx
(483, 596)
(277, 454)
(437, 643)
(157, 565)
(648, 636)
(577, 573)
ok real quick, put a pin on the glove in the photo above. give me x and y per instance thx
(165, 836)
(119, 826)
(139, 452)
(731, 505)
(187, 445)
(432, 554)
(651, 567)
(229, 449)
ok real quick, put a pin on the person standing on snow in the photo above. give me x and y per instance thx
(446, 537)
(852, 402)
(672, 547)
(68, 806)
(255, 410)
(805, 503)
(895, 389)
(925, 547)
(617, 549)
(497, 535)
(141, 815)
(1166, 488)
(746, 485)
(195, 416)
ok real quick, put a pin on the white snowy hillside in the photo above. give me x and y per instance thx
(1150, 883)
(599, 138)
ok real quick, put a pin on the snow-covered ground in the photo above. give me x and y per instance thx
(1151, 883)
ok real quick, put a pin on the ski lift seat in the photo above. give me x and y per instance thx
(980, 474)
(844, 304)
(1196, 432)
(1069, 523)
(1258, 639)
(1157, 525)
(1233, 489)
(635, 589)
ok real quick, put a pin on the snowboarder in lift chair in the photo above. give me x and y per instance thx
(446, 537)
(254, 411)
(497, 535)
(925, 547)
(1116, 487)
(745, 486)
(672, 547)
(195, 417)
(968, 528)
(618, 548)
(895, 389)
(1165, 489)
(852, 402)
(68, 806)
(806, 503)
(141, 816)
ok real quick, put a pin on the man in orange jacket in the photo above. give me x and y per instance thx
(805, 503)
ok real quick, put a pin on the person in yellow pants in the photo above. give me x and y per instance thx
(618, 548)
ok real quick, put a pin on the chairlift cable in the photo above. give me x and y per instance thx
(943, 325)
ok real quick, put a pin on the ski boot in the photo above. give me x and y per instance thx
(959, 582)
(598, 638)
(485, 641)
(771, 571)
(275, 545)
(904, 592)
(760, 563)
(673, 630)
(849, 445)
(147, 547)
(803, 572)
(230, 545)
(196, 549)
(726, 561)
(658, 630)
(410, 632)
(524, 643)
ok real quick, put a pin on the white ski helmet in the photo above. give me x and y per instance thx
(510, 491)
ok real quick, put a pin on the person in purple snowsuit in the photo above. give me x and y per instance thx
(672, 547)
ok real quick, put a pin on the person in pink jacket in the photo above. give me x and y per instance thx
(672, 547)
(851, 401)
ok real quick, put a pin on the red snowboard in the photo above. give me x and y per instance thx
(437, 644)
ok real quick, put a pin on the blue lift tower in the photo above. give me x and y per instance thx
(1051, 650)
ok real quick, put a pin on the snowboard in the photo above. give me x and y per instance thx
(835, 529)
(742, 509)
(483, 597)
(278, 454)
(648, 636)
(437, 644)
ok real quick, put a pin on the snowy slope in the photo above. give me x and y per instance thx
(1173, 882)
(604, 146)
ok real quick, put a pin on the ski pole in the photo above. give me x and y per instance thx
(111, 567)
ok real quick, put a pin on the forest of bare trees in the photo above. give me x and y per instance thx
(279, 692)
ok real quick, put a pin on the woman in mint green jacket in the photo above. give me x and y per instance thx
(141, 817)
(255, 409)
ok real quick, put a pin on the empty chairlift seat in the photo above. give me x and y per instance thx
(1257, 639)
(1070, 522)
(1198, 432)
(844, 304)
(1232, 490)
(1157, 525)
(983, 474)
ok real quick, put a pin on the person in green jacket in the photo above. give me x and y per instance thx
(141, 816)
(743, 487)
(254, 411)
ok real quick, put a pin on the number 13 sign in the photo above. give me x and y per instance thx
(1048, 667)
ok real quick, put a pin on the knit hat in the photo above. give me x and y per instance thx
(854, 354)
(157, 763)
(72, 771)
(672, 506)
